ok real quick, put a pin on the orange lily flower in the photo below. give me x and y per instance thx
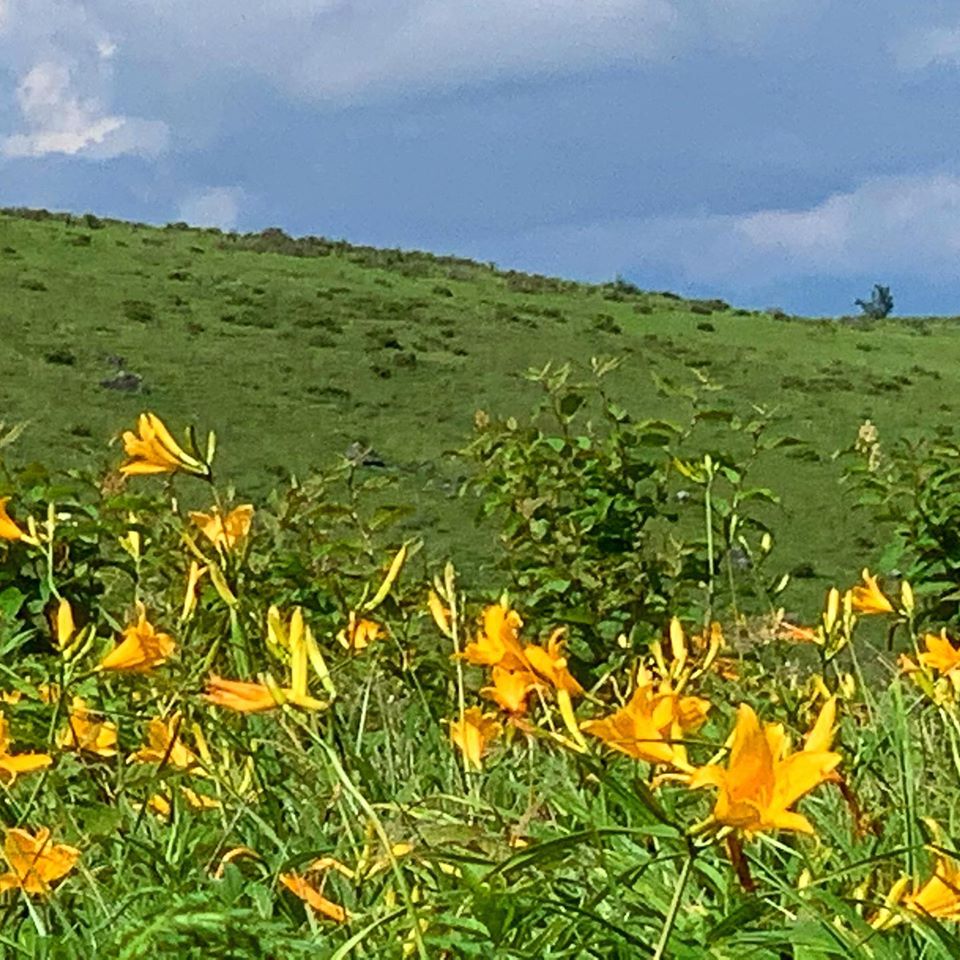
(153, 450)
(48, 692)
(13, 764)
(160, 804)
(8, 529)
(35, 863)
(83, 734)
(224, 532)
(498, 644)
(550, 662)
(648, 726)
(941, 654)
(763, 779)
(164, 745)
(141, 649)
(240, 695)
(472, 734)
(301, 887)
(246, 697)
(510, 689)
(791, 631)
(940, 895)
(869, 598)
(358, 634)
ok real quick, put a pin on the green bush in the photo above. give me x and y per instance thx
(609, 524)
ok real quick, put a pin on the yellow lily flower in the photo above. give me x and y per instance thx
(472, 734)
(763, 780)
(940, 895)
(550, 663)
(8, 529)
(81, 733)
(648, 725)
(869, 598)
(358, 634)
(498, 644)
(164, 745)
(141, 649)
(161, 806)
(240, 695)
(13, 764)
(224, 532)
(35, 863)
(941, 654)
(48, 692)
(511, 688)
(153, 450)
(299, 886)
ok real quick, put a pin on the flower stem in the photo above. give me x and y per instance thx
(671, 919)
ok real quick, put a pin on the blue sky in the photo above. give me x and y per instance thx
(770, 152)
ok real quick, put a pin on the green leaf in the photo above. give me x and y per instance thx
(570, 404)
(11, 600)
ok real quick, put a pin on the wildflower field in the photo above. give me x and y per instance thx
(271, 730)
(298, 718)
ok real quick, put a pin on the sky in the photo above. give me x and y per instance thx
(787, 153)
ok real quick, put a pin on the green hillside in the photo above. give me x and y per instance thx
(293, 349)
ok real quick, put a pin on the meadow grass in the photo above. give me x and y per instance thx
(293, 358)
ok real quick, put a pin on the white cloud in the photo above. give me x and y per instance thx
(62, 55)
(58, 120)
(927, 47)
(438, 43)
(348, 50)
(886, 225)
(213, 207)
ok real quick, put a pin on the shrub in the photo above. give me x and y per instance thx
(913, 487)
(61, 357)
(584, 498)
(139, 311)
(605, 323)
(625, 287)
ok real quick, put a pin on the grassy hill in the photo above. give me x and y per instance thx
(293, 349)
